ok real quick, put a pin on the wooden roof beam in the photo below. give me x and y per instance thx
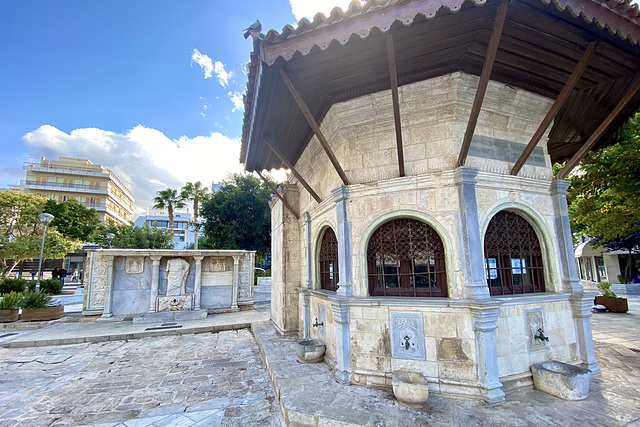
(492, 49)
(573, 162)
(559, 102)
(278, 195)
(314, 125)
(292, 169)
(396, 103)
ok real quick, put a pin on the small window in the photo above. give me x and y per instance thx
(405, 257)
(329, 261)
(513, 257)
(602, 272)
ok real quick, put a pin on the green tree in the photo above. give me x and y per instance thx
(198, 194)
(603, 197)
(133, 237)
(238, 216)
(168, 199)
(21, 231)
(73, 219)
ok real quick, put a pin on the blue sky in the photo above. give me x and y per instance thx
(151, 88)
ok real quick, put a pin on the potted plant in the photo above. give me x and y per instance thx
(38, 306)
(9, 307)
(610, 300)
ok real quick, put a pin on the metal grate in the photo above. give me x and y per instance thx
(329, 261)
(8, 335)
(513, 256)
(635, 350)
(163, 327)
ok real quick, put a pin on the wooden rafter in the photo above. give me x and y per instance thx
(492, 49)
(292, 169)
(559, 102)
(396, 103)
(278, 195)
(314, 125)
(573, 162)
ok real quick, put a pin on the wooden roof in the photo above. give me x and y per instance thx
(344, 56)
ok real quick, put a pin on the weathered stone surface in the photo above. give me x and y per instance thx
(562, 380)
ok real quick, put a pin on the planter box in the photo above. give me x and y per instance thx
(47, 313)
(616, 305)
(9, 315)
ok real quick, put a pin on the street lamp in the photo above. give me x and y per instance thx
(45, 219)
(110, 236)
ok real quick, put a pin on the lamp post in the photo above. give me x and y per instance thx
(45, 219)
(110, 237)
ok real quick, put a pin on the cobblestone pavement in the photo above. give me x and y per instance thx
(204, 379)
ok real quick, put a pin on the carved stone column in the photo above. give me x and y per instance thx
(485, 322)
(155, 277)
(197, 287)
(340, 311)
(307, 225)
(236, 281)
(469, 240)
(345, 285)
(108, 296)
(304, 293)
(581, 302)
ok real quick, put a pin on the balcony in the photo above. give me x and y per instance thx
(59, 186)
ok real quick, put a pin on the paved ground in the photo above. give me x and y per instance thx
(220, 379)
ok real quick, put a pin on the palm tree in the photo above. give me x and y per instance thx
(168, 199)
(197, 193)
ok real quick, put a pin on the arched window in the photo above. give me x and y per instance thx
(405, 257)
(329, 261)
(513, 258)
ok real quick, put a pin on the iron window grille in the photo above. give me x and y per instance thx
(329, 261)
(405, 257)
(513, 257)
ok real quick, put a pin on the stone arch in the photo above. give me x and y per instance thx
(317, 242)
(428, 220)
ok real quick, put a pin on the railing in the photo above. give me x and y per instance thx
(61, 186)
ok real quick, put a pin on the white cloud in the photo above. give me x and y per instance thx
(308, 9)
(203, 61)
(238, 102)
(144, 158)
(222, 74)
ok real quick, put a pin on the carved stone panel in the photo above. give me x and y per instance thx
(534, 324)
(134, 265)
(217, 264)
(175, 302)
(407, 335)
(98, 282)
(322, 318)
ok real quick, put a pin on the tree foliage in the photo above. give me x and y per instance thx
(73, 219)
(238, 216)
(133, 237)
(21, 231)
(198, 195)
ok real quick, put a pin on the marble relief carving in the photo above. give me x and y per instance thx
(134, 265)
(535, 322)
(177, 272)
(98, 283)
(217, 264)
(407, 335)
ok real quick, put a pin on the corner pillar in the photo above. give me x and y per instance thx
(340, 311)
(108, 296)
(197, 287)
(304, 294)
(470, 247)
(581, 302)
(307, 227)
(485, 323)
(155, 278)
(345, 285)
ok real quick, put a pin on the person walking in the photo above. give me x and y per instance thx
(63, 274)
(55, 274)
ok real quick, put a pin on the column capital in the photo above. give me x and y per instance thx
(465, 175)
(485, 316)
(198, 258)
(559, 186)
(340, 193)
(155, 258)
(306, 217)
(340, 312)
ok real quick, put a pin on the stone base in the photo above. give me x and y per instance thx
(171, 316)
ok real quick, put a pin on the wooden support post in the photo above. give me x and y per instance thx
(573, 162)
(396, 103)
(492, 49)
(292, 169)
(559, 102)
(314, 125)
(278, 195)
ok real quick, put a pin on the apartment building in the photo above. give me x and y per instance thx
(182, 234)
(94, 186)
